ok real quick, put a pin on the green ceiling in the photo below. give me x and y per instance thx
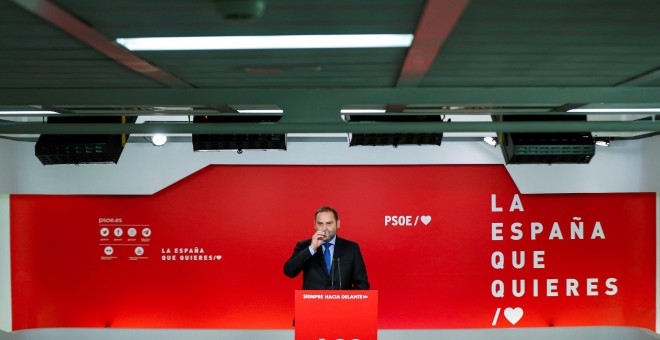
(500, 53)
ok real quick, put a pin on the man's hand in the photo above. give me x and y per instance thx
(317, 239)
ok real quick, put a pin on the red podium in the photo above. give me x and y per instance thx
(336, 314)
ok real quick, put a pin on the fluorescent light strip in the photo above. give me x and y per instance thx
(363, 111)
(29, 113)
(615, 110)
(149, 135)
(173, 108)
(317, 135)
(266, 42)
(162, 118)
(261, 111)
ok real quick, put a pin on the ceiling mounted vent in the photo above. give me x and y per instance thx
(547, 148)
(394, 139)
(81, 148)
(237, 142)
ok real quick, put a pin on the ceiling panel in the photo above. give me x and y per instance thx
(550, 53)
(284, 68)
(136, 18)
(549, 43)
(35, 54)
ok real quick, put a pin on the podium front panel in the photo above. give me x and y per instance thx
(336, 314)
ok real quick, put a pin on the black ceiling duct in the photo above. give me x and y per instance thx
(238, 142)
(547, 148)
(394, 139)
(82, 148)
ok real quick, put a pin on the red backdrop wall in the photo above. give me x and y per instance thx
(446, 246)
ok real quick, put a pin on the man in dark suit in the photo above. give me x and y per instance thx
(327, 261)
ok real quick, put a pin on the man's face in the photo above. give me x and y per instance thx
(325, 221)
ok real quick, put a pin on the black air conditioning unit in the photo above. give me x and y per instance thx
(547, 148)
(394, 139)
(239, 142)
(82, 148)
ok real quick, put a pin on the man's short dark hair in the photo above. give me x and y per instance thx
(324, 209)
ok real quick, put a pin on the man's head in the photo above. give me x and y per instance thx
(327, 219)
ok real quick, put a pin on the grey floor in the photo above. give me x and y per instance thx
(567, 333)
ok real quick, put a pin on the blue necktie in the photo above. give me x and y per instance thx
(326, 254)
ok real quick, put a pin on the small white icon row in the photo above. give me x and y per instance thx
(139, 251)
(118, 232)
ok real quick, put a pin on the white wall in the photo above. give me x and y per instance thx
(625, 166)
(5, 265)
(7, 165)
(650, 164)
(145, 169)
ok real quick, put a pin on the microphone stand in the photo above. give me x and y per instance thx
(339, 270)
(332, 278)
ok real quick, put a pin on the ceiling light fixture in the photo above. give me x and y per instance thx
(490, 141)
(161, 118)
(36, 113)
(257, 111)
(266, 42)
(359, 111)
(615, 110)
(159, 139)
(173, 108)
(603, 141)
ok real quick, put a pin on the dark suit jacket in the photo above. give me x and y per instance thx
(348, 264)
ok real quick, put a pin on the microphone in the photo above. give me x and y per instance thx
(339, 270)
